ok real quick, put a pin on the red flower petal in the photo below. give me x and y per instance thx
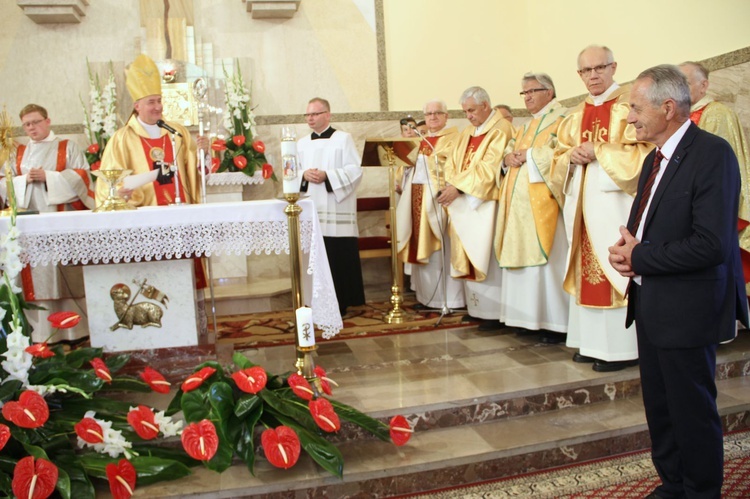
(121, 477)
(215, 164)
(30, 411)
(4, 435)
(259, 146)
(251, 380)
(300, 386)
(324, 415)
(34, 480)
(95, 166)
(89, 430)
(93, 149)
(267, 171)
(240, 162)
(101, 370)
(200, 440)
(155, 380)
(238, 140)
(281, 446)
(64, 320)
(400, 430)
(196, 379)
(219, 145)
(143, 422)
(40, 350)
(324, 380)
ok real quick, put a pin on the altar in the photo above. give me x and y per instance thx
(173, 233)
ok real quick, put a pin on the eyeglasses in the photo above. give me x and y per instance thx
(532, 91)
(599, 69)
(30, 124)
(435, 113)
(307, 115)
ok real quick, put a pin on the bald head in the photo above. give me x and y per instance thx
(697, 77)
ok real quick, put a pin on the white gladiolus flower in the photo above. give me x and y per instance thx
(168, 427)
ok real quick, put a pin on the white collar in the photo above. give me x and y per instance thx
(480, 128)
(153, 131)
(604, 96)
(671, 143)
(545, 109)
(48, 138)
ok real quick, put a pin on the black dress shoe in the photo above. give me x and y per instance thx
(490, 325)
(582, 359)
(470, 318)
(526, 332)
(552, 338)
(603, 366)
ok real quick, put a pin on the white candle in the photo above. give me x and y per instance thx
(290, 170)
(305, 327)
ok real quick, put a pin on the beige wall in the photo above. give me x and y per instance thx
(437, 48)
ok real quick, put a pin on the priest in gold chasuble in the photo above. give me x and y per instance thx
(422, 221)
(719, 119)
(597, 164)
(471, 196)
(142, 146)
(530, 243)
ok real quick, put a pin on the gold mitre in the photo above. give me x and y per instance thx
(142, 78)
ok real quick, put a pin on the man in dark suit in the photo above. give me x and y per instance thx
(687, 290)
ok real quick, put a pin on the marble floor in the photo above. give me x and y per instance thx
(483, 405)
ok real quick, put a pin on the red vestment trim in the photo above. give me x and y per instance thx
(164, 192)
(471, 150)
(695, 116)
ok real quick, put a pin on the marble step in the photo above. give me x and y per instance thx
(241, 296)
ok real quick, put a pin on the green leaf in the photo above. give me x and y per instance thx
(321, 450)
(175, 405)
(80, 485)
(80, 356)
(244, 446)
(362, 420)
(8, 390)
(241, 361)
(194, 406)
(129, 385)
(117, 362)
(63, 483)
(173, 453)
(247, 403)
(5, 484)
(222, 400)
(150, 469)
(291, 407)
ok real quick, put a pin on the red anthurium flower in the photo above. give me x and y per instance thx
(281, 446)
(267, 171)
(251, 380)
(259, 146)
(30, 411)
(34, 480)
(400, 430)
(143, 422)
(101, 370)
(300, 386)
(219, 145)
(215, 164)
(121, 477)
(89, 430)
(200, 440)
(240, 162)
(155, 380)
(64, 320)
(40, 350)
(238, 140)
(196, 379)
(4, 435)
(93, 149)
(324, 415)
(325, 381)
(95, 166)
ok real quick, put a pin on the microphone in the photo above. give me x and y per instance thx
(421, 136)
(170, 129)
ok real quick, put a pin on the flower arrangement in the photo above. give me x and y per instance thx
(100, 122)
(241, 152)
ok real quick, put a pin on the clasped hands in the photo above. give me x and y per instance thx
(315, 176)
(583, 154)
(36, 175)
(515, 159)
(620, 255)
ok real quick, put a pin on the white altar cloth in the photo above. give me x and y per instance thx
(155, 233)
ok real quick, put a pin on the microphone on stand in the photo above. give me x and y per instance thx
(163, 124)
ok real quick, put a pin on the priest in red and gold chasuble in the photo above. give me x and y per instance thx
(596, 165)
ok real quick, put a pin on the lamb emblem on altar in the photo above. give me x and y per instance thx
(142, 314)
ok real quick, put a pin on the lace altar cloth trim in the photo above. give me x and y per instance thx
(234, 178)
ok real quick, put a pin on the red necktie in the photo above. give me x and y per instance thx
(646, 194)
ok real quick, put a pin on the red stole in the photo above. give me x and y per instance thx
(164, 192)
(596, 290)
(471, 150)
(696, 115)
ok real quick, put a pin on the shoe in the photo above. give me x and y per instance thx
(551, 338)
(526, 332)
(603, 366)
(418, 306)
(490, 325)
(582, 359)
(471, 318)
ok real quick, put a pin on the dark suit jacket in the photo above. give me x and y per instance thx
(693, 289)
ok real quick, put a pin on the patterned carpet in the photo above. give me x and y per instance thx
(627, 476)
(275, 328)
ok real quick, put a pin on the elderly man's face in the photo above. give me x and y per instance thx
(149, 109)
(535, 96)
(596, 72)
(698, 86)
(650, 121)
(434, 116)
(476, 113)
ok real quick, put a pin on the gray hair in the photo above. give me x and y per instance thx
(479, 95)
(442, 104)
(668, 83)
(699, 69)
(543, 79)
(607, 51)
